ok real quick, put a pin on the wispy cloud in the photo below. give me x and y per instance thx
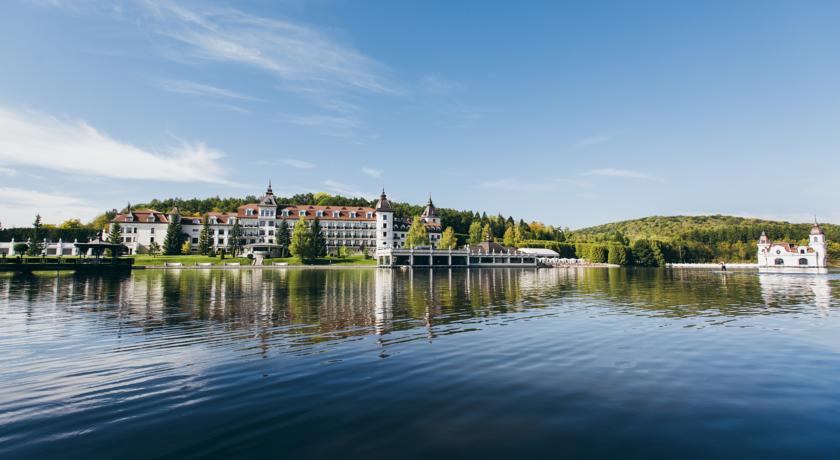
(19, 206)
(594, 140)
(299, 164)
(516, 185)
(292, 52)
(8, 172)
(200, 89)
(625, 173)
(334, 125)
(344, 189)
(36, 139)
(372, 172)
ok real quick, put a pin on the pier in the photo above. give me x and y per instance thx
(444, 258)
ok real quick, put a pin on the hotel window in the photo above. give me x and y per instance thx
(302, 213)
(353, 215)
(285, 213)
(152, 240)
(152, 230)
(369, 215)
(195, 241)
(336, 214)
(319, 213)
(384, 225)
(384, 234)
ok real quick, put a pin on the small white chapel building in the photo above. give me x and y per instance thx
(780, 254)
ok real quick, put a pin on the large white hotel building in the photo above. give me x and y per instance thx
(356, 228)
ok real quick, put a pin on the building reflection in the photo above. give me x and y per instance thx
(299, 308)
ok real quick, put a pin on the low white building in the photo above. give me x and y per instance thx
(783, 254)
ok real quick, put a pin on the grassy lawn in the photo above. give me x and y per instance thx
(149, 261)
(152, 261)
(350, 260)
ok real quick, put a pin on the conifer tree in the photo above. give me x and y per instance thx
(205, 243)
(283, 238)
(319, 243)
(235, 239)
(114, 237)
(172, 241)
(36, 247)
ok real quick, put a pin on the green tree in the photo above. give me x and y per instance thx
(114, 233)
(71, 224)
(617, 255)
(37, 237)
(509, 238)
(597, 254)
(205, 239)
(417, 234)
(447, 239)
(319, 243)
(283, 238)
(475, 232)
(154, 249)
(114, 236)
(301, 246)
(487, 233)
(174, 238)
(186, 248)
(235, 239)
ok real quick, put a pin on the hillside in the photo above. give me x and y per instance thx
(709, 229)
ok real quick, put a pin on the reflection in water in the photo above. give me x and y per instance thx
(212, 362)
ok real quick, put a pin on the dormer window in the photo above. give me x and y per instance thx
(302, 213)
(319, 213)
(129, 218)
(336, 214)
(285, 213)
(352, 214)
(369, 215)
(249, 212)
(150, 219)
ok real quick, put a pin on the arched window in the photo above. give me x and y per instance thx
(803, 261)
(780, 262)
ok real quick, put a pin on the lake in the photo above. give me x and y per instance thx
(374, 363)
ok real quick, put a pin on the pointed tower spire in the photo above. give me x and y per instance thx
(268, 191)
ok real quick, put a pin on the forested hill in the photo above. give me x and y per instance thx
(705, 229)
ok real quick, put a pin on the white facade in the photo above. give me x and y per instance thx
(359, 228)
(781, 254)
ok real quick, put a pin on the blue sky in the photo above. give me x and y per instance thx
(573, 114)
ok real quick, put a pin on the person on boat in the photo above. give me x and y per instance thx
(723, 266)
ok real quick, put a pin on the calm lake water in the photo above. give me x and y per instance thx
(367, 363)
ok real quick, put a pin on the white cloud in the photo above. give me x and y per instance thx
(292, 52)
(19, 206)
(344, 189)
(299, 164)
(8, 172)
(73, 146)
(199, 89)
(611, 172)
(594, 140)
(515, 185)
(334, 125)
(372, 172)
